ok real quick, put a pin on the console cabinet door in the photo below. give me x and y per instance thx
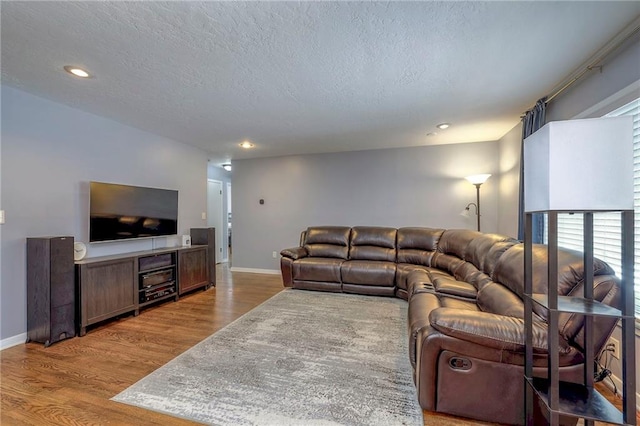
(107, 289)
(193, 271)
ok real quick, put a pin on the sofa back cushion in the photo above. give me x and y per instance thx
(478, 249)
(417, 245)
(456, 241)
(327, 241)
(497, 299)
(373, 243)
(468, 272)
(494, 254)
(607, 290)
(509, 271)
(446, 262)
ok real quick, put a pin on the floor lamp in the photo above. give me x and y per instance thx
(476, 180)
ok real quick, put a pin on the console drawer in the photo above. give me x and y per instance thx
(156, 261)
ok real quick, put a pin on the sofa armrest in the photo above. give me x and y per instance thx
(490, 330)
(294, 253)
(455, 288)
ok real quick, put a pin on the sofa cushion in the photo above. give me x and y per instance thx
(317, 269)
(327, 241)
(497, 299)
(607, 290)
(492, 257)
(509, 271)
(368, 272)
(456, 241)
(446, 262)
(468, 272)
(417, 245)
(479, 248)
(373, 243)
(456, 303)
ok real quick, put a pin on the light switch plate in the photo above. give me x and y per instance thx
(1, 217)
(204, 216)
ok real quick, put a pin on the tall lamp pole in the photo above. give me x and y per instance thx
(477, 181)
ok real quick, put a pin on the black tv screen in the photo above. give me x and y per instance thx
(121, 212)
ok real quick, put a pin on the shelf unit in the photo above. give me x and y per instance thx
(561, 399)
(109, 286)
(156, 278)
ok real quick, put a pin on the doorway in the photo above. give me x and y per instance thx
(214, 213)
(229, 221)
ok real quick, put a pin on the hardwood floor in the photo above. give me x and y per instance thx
(70, 382)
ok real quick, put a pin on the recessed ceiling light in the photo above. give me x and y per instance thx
(443, 126)
(227, 167)
(246, 145)
(78, 72)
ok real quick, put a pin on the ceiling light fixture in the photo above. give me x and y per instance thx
(78, 72)
(246, 145)
(227, 167)
(443, 126)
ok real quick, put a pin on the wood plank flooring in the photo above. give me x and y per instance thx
(70, 382)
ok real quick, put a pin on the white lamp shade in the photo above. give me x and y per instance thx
(579, 165)
(478, 179)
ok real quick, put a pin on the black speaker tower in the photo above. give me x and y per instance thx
(51, 297)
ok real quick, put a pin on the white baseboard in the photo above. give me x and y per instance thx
(255, 270)
(13, 341)
(618, 383)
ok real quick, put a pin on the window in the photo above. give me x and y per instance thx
(607, 225)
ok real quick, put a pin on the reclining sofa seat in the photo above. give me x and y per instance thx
(466, 314)
(315, 265)
(416, 248)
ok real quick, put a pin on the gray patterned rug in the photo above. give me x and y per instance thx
(300, 358)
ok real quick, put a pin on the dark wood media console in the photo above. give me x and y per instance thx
(109, 286)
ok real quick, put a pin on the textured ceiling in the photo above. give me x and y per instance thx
(304, 77)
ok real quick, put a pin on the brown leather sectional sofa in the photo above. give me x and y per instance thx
(465, 291)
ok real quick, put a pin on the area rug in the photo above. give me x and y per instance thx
(300, 358)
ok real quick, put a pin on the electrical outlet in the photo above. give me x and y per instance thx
(274, 254)
(615, 345)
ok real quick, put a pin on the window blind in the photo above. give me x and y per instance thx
(607, 225)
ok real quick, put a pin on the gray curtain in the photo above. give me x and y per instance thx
(532, 121)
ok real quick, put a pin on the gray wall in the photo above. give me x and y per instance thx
(50, 152)
(617, 73)
(510, 146)
(421, 186)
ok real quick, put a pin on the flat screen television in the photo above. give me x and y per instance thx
(122, 212)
